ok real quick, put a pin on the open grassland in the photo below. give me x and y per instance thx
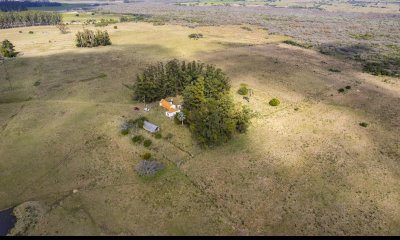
(305, 167)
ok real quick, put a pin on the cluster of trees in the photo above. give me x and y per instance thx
(29, 18)
(210, 112)
(89, 38)
(10, 6)
(7, 49)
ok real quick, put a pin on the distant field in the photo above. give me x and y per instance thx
(305, 167)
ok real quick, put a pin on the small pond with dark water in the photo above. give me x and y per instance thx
(7, 221)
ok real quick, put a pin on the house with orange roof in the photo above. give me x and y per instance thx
(171, 109)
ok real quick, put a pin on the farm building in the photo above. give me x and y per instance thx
(150, 127)
(170, 107)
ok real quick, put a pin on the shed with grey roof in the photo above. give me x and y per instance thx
(150, 127)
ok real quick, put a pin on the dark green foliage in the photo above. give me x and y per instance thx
(88, 38)
(7, 49)
(334, 70)
(146, 156)
(341, 90)
(77, 15)
(246, 28)
(389, 66)
(208, 107)
(298, 44)
(29, 18)
(158, 135)
(147, 143)
(115, 27)
(30, 32)
(243, 90)
(137, 139)
(124, 131)
(170, 79)
(348, 87)
(363, 124)
(274, 102)
(195, 36)
(37, 83)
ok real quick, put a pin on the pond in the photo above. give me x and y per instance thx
(7, 221)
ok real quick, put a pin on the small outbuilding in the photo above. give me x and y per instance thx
(150, 127)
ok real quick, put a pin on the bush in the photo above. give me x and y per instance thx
(115, 27)
(77, 15)
(37, 83)
(30, 32)
(158, 135)
(274, 102)
(124, 131)
(297, 44)
(334, 70)
(147, 143)
(340, 90)
(149, 168)
(146, 156)
(348, 87)
(137, 139)
(7, 49)
(243, 90)
(363, 124)
(195, 36)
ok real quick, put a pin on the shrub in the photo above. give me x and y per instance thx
(297, 44)
(37, 83)
(77, 15)
(348, 87)
(30, 32)
(363, 124)
(146, 156)
(137, 139)
(334, 70)
(243, 90)
(147, 143)
(115, 27)
(195, 36)
(340, 90)
(149, 168)
(274, 102)
(158, 135)
(246, 28)
(7, 49)
(20, 31)
(124, 131)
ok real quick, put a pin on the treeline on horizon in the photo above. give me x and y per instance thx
(17, 6)
(29, 18)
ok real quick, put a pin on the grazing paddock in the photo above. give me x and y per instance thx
(310, 171)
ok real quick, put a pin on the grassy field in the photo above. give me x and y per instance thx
(305, 167)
